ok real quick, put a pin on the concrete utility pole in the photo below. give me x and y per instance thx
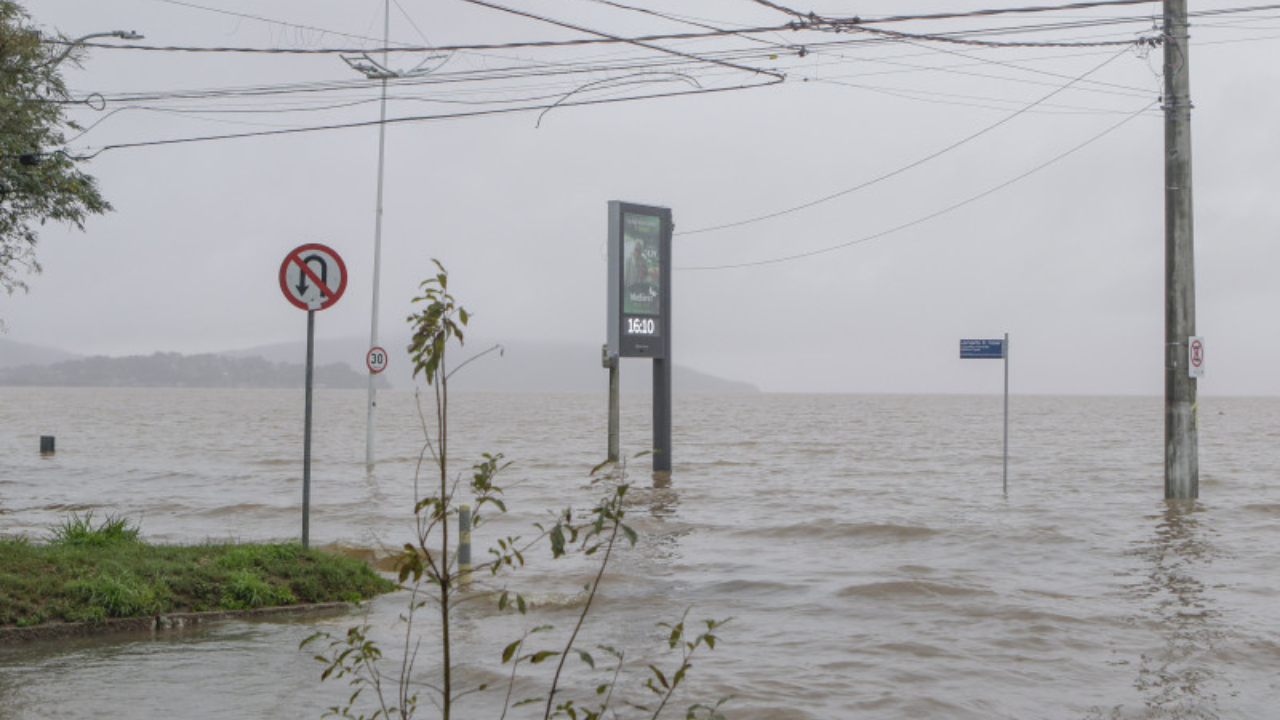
(1181, 447)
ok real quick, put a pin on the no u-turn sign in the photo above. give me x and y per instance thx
(313, 277)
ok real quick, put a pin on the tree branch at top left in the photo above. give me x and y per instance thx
(38, 182)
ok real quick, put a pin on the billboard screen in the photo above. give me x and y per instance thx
(642, 267)
(639, 280)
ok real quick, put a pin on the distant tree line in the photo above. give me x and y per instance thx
(177, 370)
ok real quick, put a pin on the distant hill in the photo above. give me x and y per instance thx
(175, 370)
(13, 354)
(519, 366)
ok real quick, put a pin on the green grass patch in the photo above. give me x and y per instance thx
(88, 573)
(77, 530)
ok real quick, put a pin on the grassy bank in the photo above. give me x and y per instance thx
(87, 573)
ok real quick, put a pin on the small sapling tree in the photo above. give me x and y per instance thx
(428, 568)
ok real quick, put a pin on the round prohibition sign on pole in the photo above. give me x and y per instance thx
(1195, 357)
(376, 360)
(313, 277)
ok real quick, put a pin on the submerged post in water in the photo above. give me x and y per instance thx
(1006, 413)
(464, 547)
(984, 349)
(662, 417)
(612, 362)
(1181, 437)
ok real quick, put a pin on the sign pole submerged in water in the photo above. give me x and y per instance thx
(1006, 413)
(975, 349)
(306, 434)
(312, 277)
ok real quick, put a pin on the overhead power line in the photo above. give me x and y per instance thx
(405, 120)
(271, 21)
(450, 48)
(706, 34)
(534, 87)
(744, 32)
(934, 215)
(1150, 41)
(990, 12)
(616, 38)
(911, 166)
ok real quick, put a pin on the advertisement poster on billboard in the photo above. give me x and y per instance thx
(642, 274)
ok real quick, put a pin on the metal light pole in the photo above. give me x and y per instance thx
(1182, 460)
(377, 245)
(374, 70)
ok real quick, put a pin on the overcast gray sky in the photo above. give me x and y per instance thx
(1068, 260)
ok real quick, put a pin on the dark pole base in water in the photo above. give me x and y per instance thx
(612, 362)
(662, 416)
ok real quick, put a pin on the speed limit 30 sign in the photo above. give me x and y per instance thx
(376, 360)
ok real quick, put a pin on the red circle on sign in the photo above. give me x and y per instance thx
(373, 362)
(1197, 353)
(313, 289)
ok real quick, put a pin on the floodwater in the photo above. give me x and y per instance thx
(862, 546)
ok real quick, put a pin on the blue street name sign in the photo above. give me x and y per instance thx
(981, 349)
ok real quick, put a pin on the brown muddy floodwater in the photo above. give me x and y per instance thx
(861, 544)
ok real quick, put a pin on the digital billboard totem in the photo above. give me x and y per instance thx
(639, 312)
(639, 280)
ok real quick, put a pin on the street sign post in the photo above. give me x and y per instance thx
(997, 349)
(312, 277)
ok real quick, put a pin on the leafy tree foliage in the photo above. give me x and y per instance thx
(38, 183)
